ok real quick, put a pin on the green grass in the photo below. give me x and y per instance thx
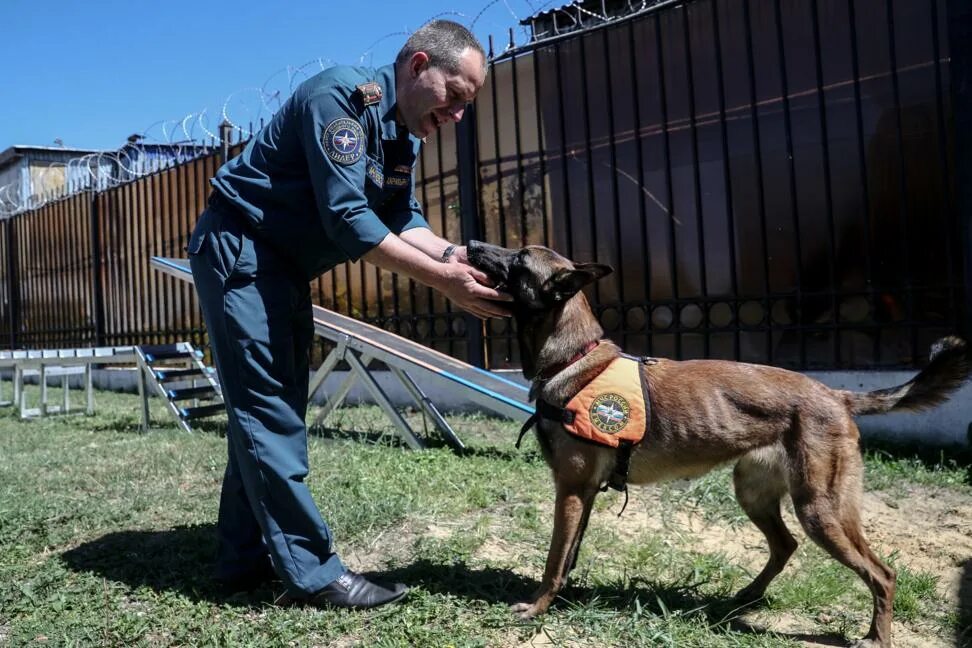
(107, 539)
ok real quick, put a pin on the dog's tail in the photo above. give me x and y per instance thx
(947, 369)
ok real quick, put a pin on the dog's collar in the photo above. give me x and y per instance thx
(556, 369)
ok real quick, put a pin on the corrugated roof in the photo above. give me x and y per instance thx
(19, 150)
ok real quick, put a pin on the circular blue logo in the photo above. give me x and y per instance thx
(343, 140)
(610, 413)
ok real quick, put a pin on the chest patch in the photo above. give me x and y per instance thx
(610, 413)
(343, 140)
(613, 407)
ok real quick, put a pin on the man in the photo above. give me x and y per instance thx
(329, 179)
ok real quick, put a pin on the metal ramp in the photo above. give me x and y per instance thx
(359, 344)
(359, 361)
(176, 372)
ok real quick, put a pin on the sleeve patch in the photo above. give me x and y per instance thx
(375, 172)
(343, 140)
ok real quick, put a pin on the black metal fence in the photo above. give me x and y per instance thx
(773, 181)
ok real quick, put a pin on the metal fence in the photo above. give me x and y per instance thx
(773, 181)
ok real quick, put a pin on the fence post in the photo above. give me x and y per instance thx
(225, 131)
(960, 47)
(97, 286)
(467, 155)
(13, 286)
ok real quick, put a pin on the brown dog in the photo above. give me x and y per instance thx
(786, 432)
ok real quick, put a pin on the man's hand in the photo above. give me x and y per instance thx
(470, 290)
(460, 256)
(468, 287)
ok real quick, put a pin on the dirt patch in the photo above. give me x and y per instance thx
(929, 530)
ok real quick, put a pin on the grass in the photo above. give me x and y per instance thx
(107, 539)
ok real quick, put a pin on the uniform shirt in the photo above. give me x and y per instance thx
(329, 177)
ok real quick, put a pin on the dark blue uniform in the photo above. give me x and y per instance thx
(325, 181)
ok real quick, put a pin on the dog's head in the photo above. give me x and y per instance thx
(538, 278)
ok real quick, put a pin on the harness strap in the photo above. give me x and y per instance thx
(545, 410)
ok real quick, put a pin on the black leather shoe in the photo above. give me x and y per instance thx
(247, 581)
(352, 590)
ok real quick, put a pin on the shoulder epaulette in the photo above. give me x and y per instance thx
(370, 93)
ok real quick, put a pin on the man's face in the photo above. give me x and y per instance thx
(429, 97)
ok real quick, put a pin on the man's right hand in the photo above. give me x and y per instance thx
(465, 286)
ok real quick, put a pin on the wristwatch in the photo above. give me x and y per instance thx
(447, 253)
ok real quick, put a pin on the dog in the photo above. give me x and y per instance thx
(786, 432)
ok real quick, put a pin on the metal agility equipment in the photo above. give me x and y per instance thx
(359, 344)
(62, 363)
(176, 373)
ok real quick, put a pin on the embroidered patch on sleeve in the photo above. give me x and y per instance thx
(343, 140)
(374, 171)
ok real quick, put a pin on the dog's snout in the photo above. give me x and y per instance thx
(491, 259)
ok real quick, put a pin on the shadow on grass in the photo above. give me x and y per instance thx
(368, 437)
(180, 560)
(176, 560)
(963, 629)
(134, 425)
(432, 441)
(504, 586)
(931, 457)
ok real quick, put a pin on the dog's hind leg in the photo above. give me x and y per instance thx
(828, 506)
(760, 482)
(571, 510)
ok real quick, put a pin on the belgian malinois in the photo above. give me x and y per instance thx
(786, 432)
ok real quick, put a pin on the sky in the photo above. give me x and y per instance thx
(92, 73)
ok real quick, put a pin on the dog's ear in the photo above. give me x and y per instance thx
(564, 284)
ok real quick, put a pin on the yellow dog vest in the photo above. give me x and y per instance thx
(613, 407)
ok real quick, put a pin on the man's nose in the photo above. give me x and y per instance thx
(455, 112)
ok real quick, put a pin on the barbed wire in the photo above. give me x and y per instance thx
(169, 142)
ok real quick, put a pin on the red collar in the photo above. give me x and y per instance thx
(556, 369)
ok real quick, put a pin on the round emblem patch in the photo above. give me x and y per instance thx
(343, 140)
(609, 413)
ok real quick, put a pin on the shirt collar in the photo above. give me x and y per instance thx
(388, 106)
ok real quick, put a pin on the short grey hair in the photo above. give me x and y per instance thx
(444, 41)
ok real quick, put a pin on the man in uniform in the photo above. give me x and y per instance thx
(328, 180)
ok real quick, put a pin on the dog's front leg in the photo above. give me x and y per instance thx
(571, 510)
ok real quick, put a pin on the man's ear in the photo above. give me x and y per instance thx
(564, 284)
(417, 63)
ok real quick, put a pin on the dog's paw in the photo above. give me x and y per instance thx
(868, 643)
(748, 597)
(526, 610)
